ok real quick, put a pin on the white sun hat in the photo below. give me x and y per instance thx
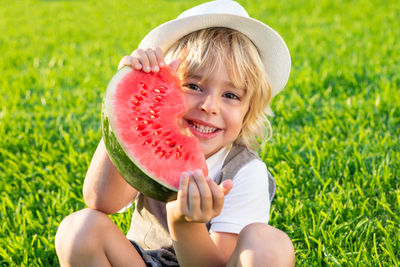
(229, 14)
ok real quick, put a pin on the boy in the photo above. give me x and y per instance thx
(229, 76)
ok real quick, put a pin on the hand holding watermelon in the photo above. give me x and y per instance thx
(148, 61)
(199, 199)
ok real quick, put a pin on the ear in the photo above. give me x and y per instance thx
(174, 64)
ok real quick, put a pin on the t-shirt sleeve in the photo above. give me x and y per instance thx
(247, 202)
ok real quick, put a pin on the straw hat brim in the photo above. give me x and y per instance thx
(273, 50)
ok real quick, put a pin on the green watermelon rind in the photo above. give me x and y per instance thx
(135, 176)
(125, 165)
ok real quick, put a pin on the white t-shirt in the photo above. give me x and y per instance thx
(248, 201)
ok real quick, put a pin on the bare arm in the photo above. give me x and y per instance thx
(104, 189)
(194, 246)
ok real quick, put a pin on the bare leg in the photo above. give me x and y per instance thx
(90, 238)
(262, 245)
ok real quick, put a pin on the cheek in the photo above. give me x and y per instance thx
(242, 116)
(190, 101)
(235, 119)
(242, 111)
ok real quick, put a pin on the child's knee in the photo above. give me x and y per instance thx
(267, 243)
(79, 232)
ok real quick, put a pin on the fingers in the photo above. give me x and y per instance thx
(143, 59)
(130, 61)
(218, 196)
(226, 186)
(205, 196)
(159, 57)
(149, 60)
(182, 196)
(200, 198)
(194, 201)
(152, 59)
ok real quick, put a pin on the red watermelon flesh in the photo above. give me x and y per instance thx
(142, 112)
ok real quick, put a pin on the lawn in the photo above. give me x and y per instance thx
(335, 152)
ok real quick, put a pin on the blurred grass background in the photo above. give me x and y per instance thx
(335, 152)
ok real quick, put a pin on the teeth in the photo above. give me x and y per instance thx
(202, 128)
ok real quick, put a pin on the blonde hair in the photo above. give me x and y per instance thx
(204, 49)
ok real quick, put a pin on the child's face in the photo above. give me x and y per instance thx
(216, 109)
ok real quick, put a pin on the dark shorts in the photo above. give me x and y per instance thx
(163, 257)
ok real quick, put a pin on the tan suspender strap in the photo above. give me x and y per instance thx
(239, 156)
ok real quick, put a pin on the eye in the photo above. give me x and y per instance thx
(192, 86)
(231, 96)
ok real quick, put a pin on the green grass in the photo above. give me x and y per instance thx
(335, 152)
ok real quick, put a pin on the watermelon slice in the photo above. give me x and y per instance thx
(142, 132)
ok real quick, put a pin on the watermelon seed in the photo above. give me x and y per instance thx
(138, 97)
(159, 99)
(148, 141)
(137, 103)
(178, 148)
(157, 132)
(146, 122)
(139, 118)
(156, 90)
(143, 92)
(156, 126)
(158, 149)
(143, 133)
(166, 133)
(155, 143)
(162, 153)
(135, 108)
(143, 85)
(178, 155)
(167, 155)
(153, 110)
(169, 143)
(140, 127)
(187, 156)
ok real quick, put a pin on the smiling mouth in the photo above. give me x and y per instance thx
(202, 128)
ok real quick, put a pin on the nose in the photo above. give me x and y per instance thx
(210, 104)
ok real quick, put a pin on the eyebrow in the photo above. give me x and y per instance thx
(226, 83)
